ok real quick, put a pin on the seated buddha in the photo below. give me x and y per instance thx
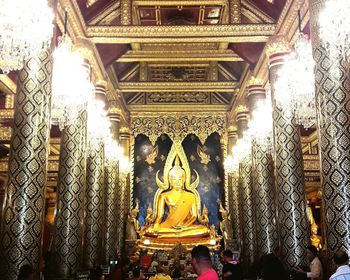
(182, 205)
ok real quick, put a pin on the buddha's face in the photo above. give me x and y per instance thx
(176, 180)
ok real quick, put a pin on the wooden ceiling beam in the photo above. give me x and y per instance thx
(178, 86)
(170, 56)
(233, 33)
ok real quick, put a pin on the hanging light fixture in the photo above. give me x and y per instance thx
(335, 28)
(71, 85)
(242, 149)
(260, 126)
(295, 85)
(124, 166)
(25, 29)
(112, 150)
(231, 164)
(98, 126)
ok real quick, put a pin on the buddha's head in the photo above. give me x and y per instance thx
(177, 176)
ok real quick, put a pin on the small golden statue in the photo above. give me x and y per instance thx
(182, 200)
(132, 225)
(149, 217)
(213, 234)
(204, 219)
(225, 225)
(315, 239)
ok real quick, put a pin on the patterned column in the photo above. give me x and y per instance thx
(125, 143)
(231, 140)
(233, 190)
(24, 204)
(122, 211)
(114, 117)
(263, 183)
(241, 120)
(247, 213)
(110, 211)
(70, 197)
(245, 193)
(291, 199)
(333, 104)
(93, 207)
(124, 192)
(68, 233)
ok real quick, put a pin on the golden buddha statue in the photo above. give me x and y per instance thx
(180, 198)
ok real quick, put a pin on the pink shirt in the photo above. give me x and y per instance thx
(209, 275)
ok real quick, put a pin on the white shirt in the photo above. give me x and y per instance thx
(342, 273)
(316, 270)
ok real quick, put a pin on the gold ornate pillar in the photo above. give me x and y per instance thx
(111, 199)
(245, 193)
(124, 191)
(110, 210)
(333, 112)
(68, 233)
(24, 204)
(114, 117)
(93, 224)
(241, 120)
(233, 190)
(263, 183)
(247, 213)
(93, 207)
(291, 199)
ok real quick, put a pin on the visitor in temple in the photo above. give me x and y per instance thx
(316, 271)
(271, 267)
(341, 261)
(137, 274)
(201, 263)
(26, 272)
(231, 269)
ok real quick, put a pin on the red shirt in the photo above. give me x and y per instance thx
(209, 275)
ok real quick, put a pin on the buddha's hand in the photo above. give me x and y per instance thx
(156, 228)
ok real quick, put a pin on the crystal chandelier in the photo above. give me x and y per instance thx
(260, 126)
(242, 149)
(98, 126)
(71, 85)
(25, 29)
(231, 165)
(335, 28)
(295, 85)
(112, 150)
(124, 166)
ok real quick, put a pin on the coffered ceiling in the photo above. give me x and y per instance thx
(176, 71)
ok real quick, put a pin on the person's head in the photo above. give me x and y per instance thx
(177, 176)
(26, 272)
(136, 272)
(200, 258)
(227, 256)
(311, 252)
(341, 258)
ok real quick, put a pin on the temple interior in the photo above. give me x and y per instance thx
(222, 123)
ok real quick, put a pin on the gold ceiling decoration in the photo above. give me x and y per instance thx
(178, 86)
(177, 125)
(196, 33)
(277, 44)
(255, 81)
(242, 109)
